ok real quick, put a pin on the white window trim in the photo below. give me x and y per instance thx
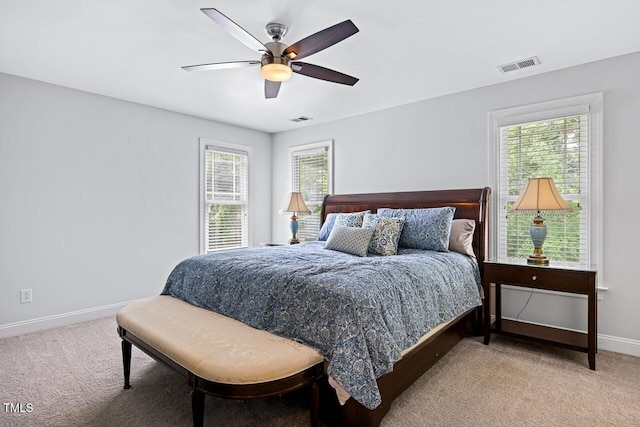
(202, 216)
(541, 111)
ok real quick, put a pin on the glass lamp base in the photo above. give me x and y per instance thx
(293, 226)
(538, 233)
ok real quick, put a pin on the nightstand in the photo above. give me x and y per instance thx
(553, 278)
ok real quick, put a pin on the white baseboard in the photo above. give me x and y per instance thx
(48, 322)
(605, 342)
(619, 345)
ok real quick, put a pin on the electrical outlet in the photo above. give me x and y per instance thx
(26, 296)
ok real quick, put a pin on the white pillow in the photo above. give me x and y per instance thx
(461, 237)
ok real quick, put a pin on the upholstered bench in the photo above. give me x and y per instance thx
(219, 356)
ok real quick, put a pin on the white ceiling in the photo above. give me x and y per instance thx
(405, 51)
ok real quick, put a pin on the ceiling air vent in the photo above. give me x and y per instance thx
(523, 63)
(301, 119)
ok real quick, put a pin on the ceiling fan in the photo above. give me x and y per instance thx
(277, 62)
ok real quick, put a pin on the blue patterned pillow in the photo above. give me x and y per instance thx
(327, 226)
(423, 228)
(351, 240)
(353, 219)
(386, 233)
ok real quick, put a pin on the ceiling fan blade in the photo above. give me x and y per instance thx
(220, 65)
(322, 73)
(235, 30)
(321, 40)
(271, 89)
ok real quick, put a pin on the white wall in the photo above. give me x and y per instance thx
(443, 143)
(99, 197)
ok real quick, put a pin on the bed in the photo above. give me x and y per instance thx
(470, 204)
(362, 385)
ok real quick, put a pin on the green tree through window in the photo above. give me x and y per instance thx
(311, 176)
(226, 188)
(550, 148)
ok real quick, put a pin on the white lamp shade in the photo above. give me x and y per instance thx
(295, 203)
(540, 194)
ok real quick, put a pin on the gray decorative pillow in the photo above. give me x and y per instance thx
(351, 240)
(386, 233)
(329, 221)
(461, 238)
(353, 219)
(423, 228)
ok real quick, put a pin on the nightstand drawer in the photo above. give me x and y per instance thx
(540, 277)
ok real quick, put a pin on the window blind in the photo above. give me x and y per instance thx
(556, 147)
(310, 176)
(226, 198)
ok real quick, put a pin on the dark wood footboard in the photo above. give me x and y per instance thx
(405, 372)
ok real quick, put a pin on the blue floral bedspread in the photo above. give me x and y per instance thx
(359, 313)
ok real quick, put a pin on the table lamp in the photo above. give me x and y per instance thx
(294, 204)
(540, 194)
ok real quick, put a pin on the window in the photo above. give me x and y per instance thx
(311, 176)
(224, 198)
(561, 140)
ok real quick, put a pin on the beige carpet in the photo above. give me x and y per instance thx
(72, 376)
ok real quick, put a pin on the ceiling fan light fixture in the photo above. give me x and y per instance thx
(276, 69)
(276, 72)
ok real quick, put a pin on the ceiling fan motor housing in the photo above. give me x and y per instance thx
(268, 59)
(275, 67)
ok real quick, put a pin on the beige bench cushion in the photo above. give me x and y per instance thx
(214, 347)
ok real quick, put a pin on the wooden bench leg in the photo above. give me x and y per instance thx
(315, 404)
(197, 404)
(126, 362)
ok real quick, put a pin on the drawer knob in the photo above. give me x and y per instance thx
(534, 278)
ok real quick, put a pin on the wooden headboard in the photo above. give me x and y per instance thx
(469, 203)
